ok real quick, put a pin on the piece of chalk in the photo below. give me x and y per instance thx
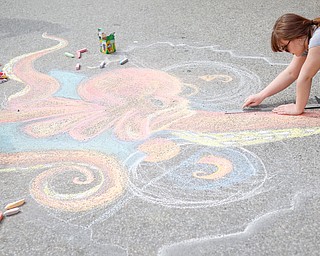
(15, 204)
(68, 54)
(3, 75)
(78, 54)
(124, 61)
(102, 64)
(1, 216)
(11, 211)
(78, 66)
(3, 80)
(83, 50)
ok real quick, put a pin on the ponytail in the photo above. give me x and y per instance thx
(316, 22)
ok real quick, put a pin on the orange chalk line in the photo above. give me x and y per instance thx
(53, 163)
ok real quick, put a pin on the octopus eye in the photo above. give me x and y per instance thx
(157, 103)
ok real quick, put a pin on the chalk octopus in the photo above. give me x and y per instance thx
(135, 104)
(132, 102)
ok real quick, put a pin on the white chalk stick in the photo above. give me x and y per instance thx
(124, 61)
(68, 54)
(3, 80)
(11, 212)
(102, 64)
(78, 66)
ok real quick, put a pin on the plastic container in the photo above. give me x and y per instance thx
(107, 42)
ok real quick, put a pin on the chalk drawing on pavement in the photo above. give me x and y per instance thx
(132, 105)
(193, 175)
(72, 181)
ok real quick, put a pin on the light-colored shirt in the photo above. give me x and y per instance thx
(315, 39)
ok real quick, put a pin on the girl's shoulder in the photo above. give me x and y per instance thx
(315, 39)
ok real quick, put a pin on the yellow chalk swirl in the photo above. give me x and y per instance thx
(71, 181)
(223, 165)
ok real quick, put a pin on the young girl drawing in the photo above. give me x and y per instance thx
(301, 37)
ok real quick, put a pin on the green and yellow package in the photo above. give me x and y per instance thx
(107, 43)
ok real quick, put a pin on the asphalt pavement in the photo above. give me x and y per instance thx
(139, 157)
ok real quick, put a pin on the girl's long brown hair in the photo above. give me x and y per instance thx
(291, 26)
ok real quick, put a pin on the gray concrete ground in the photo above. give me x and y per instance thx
(139, 182)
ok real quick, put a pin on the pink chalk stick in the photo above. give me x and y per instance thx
(78, 66)
(78, 54)
(83, 50)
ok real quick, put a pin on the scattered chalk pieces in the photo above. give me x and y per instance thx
(124, 61)
(83, 50)
(78, 66)
(3, 80)
(68, 54)
(3, 75)
(14, 204)
(11, 211)
(103, 64)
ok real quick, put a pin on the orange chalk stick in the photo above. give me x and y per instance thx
(1, 216)
(14, 204)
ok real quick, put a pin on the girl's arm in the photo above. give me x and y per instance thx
(281, 82)
(309, 69)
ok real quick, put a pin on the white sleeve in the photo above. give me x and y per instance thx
(315, 39)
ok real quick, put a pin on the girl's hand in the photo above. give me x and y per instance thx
(253, 100)
(288, 109)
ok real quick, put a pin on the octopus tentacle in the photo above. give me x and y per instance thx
(38, 85)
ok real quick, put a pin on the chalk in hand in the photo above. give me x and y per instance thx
(124, 61)
(11, 211)
(15, 204)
